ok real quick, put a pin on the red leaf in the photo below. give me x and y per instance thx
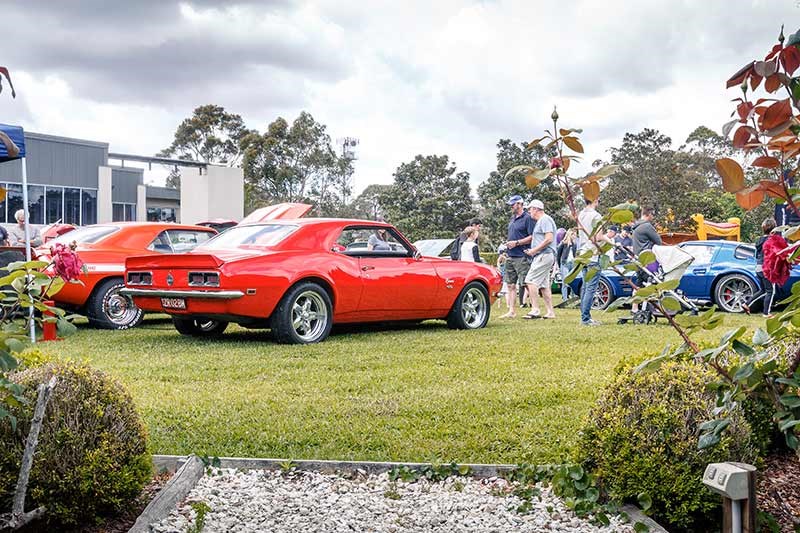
(790, 59)
(775, 49)
(766, 161)
(750, 198)
(755, 79)
(772, 188)
(773, 83)
(744, 110)
(740, 76)
(731, 173)
(776, 114)
(741, 138)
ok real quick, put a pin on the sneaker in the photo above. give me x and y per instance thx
(591, 323)
(549, 317)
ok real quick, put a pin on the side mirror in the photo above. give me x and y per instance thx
(417, 254)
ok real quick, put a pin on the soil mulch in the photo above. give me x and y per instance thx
(778, 490)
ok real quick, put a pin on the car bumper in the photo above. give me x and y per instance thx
(186, 293)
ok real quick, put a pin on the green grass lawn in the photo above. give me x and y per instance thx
(516, 391)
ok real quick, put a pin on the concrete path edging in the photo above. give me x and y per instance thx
(176, 489)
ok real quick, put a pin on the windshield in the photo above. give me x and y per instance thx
(251, 235)
(86, 235)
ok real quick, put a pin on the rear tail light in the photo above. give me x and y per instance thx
(140, 278)
(204, 279)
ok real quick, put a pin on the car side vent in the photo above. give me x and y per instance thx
(204, 279)
(140, 278)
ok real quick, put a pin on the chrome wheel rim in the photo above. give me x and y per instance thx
(119, 309)
(309, 316)
(601, 295)
(474, 307)
(734, 293)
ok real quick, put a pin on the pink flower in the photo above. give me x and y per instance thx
(555, 162)
(66, 262)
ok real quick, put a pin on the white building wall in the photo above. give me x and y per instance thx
(105, 212)
(216, 193)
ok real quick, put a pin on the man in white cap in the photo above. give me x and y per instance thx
(16, 235)
(520, 228)
(543, 254)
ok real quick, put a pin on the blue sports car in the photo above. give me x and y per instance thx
(723, 273)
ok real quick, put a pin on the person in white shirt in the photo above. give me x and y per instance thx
(588, 218)
(469, 248)
(16, 235)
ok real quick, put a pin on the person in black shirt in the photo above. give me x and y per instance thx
(455, 251)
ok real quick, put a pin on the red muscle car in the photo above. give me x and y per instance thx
(103, 248)
(299, 277)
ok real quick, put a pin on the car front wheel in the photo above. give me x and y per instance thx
(108, 309)
(471, 310)
(733, 291)
(603, 295)
(303, 316)
(199, 327)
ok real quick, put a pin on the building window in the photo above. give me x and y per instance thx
(88, 207)
(36, 204)
(72, 206)
(13, 201)
(122, 212)
(161, 214)
(54, 202)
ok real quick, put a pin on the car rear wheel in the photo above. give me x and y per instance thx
(471, 310)
(108, 309)
(199, 327)
(303, 316)
(603, 295)
(733, 291)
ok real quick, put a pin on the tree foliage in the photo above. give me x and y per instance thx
(367, 205)
(210, 135)
(295, 163)
(498, 187)
(429, 198)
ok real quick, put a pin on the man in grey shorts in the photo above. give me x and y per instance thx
(520, 229)
(543, 255)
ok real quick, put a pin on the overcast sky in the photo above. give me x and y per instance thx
(404, 77)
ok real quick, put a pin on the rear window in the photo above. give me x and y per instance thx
(744, 252)
(251, 235)
(86, 235)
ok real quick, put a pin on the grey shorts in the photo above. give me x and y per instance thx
(517, 269)
(539, 273)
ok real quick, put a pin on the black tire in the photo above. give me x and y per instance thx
(199, 328)
(108, 309)
(603, 295)
(733, 290)
(303, 316)
(471, 309)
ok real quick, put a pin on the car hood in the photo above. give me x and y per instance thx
(277, 211)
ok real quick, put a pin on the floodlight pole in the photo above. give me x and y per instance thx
(27, 244)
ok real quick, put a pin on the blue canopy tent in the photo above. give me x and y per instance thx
(17, 137)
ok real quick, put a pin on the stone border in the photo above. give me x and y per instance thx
(171, 463)
(176, 489)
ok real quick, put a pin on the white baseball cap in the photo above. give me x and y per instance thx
(536, 204)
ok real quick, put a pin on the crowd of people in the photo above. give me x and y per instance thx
(535, 250)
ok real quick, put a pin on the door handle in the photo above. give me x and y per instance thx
(699, 271)
(367, 267)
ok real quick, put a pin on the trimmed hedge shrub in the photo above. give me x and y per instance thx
(642, 438)
(92, 456)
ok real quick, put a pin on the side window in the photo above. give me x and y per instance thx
(702, 254)
(371, 241)
(161, 244)
(183, 240)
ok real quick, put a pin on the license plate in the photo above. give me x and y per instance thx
(173, 303)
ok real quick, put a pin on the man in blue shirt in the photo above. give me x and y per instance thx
(520, 230)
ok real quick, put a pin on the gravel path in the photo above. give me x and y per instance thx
(260, 500)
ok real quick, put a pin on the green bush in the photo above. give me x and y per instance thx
(642, 438)
(92, 456)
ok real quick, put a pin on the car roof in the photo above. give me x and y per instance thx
(720, 242)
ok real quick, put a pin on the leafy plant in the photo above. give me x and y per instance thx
(201, 509)
(761, 368)
(287, 467)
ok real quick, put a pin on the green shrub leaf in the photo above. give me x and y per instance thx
(645, 501)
